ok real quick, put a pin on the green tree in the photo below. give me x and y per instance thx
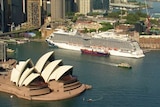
(74, 19)
(132, 18)
(106, 26)
(114, 15)
(92, 30)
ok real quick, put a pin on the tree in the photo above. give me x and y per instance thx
(74, 19)
(132, 18)
(114, 15)
(106, 26)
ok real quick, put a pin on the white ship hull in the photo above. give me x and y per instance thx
(64, 45)
(131, 49)
(112, 52)
(125, 54)
(68, 46)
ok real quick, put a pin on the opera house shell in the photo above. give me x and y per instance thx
(48, 79)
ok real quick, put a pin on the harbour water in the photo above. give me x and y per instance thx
(112, 86)
(154, 7)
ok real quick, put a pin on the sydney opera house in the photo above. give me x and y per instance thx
(48, 79)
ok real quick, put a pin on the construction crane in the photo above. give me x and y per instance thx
(147, 22)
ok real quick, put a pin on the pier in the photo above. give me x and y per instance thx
(124, 6)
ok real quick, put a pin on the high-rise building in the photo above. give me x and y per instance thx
(4, 15)
(44, 10)
(84, 6)
(34, 13)
(18, 11)
(48, 7)
(57, 10)
(101, 4)
(69, 6)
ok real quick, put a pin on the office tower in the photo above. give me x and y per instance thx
(57, 10)
(34, 13)
(85, 6)
(44, 10)
(48, 7)
(76, 6)
(69, 6)
(18, 11)
(105, 4)
(4, 15)
(24, 10)
(101, 4)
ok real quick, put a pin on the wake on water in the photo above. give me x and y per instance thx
(106, 63)
(93, 100)
(112, 64)
(101, 62)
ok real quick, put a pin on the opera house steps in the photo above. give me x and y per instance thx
(48, 79)
(72, 84)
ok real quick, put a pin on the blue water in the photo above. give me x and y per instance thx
(155, 6)
(112, 86)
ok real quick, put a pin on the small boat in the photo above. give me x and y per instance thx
(10, 50)
(124, 65)
(94, 52)
(21, 41)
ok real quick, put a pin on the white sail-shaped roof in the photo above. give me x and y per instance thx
(62, 70)
(25, 74)
(59, 72)
(19, 66)
(14, 75)
(23, 64)
(30, 78)
(49, 69)
(41, 62)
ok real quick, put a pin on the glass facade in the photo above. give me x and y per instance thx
(4, 15)
(101, 4)
(17, 13)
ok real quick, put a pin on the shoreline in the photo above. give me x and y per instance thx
(145, 50)
(148, 50)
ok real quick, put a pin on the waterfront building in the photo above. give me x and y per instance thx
(84, 6)
(81, 25)
(57, 10)
(34, 13)
(3, 51)
(140, 27)
(101, 4)
(149, 41)
(47, 80)
(119, 1)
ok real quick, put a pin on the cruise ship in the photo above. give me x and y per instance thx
(115, 44)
